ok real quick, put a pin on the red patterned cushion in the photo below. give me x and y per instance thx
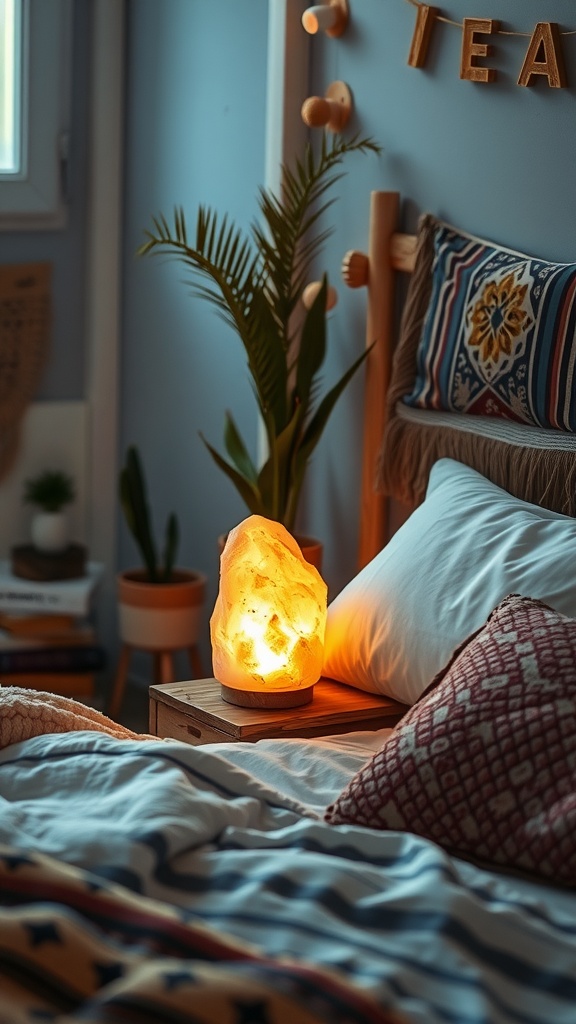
(485, 763)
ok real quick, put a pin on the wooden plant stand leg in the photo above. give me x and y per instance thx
(166, 667)
(164, 672)
(119, 681)
(195, 662)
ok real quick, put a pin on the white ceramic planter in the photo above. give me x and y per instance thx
(50, 532)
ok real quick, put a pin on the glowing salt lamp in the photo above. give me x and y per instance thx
(267, 627)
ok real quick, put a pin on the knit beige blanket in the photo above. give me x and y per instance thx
(25, 713)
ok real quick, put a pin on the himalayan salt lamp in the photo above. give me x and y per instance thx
(267, 627)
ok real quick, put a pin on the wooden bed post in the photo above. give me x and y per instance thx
(377, 272)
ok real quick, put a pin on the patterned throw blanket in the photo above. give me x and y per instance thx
(91, 951)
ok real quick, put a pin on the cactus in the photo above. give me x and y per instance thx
(134, 501)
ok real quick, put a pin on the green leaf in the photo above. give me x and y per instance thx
(316, 426)
(170, 547)
(134, 501)
(312, 436)
(274, 479)
(312, 345)
(247, 491)
(238, 452)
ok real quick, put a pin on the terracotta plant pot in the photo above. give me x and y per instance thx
(160, 616)
(312, 550)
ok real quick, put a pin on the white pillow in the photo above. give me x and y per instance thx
(463, 550)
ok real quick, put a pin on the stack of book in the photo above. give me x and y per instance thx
(47, 640)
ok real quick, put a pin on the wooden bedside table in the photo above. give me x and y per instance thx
(195, 712)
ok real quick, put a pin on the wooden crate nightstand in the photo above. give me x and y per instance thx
(195, 712)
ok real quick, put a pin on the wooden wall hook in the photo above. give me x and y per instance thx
(331, 18)
(311, 291)
(331, 111)
(355, 269)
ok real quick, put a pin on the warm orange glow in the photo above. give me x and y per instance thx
(310, 22)
(268, 624)
(321, 17)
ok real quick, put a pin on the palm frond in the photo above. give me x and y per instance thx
(254, 281)
(247, 491)
(226, 257)
(238, 451)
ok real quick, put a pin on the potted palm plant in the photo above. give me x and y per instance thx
(160, 605)
(256, 281)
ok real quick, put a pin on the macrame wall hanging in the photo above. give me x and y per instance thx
(25, 323)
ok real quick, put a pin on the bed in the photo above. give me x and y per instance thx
(424, 873)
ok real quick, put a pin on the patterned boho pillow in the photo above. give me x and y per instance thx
(499, 334)
(484, 371)
(485, 763)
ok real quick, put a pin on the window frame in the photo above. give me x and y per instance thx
(35, 197)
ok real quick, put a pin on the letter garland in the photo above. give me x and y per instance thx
(544, 56)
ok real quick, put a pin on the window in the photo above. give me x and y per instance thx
(10, 86)
(35, 37)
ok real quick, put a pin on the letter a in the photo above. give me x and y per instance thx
(545, 42)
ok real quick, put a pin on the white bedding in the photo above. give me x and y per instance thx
(313, 771)
(232, 836)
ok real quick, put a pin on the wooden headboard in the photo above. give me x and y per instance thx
(389, 251)
(533, 459)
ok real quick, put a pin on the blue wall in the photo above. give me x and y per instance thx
(495, 159)
(196, 80)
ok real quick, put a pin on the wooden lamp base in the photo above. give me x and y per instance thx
(267, 698)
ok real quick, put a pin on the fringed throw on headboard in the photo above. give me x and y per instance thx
(485, 371)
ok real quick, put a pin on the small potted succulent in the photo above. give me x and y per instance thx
(160, 605)
(50, 493)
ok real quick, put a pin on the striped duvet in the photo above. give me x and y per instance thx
(146, 881)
